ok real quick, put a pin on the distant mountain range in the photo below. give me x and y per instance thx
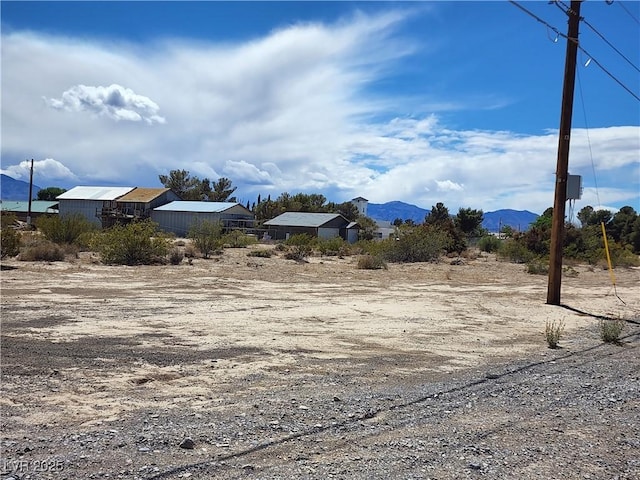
(493, 221)
(12, 189)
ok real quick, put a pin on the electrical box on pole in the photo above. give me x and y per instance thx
(574, 187)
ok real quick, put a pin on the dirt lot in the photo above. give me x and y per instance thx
(264, 368)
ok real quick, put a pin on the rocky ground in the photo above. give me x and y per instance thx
(239, 367)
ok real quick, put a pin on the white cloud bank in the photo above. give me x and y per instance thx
(293, 111)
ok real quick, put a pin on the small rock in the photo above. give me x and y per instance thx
(187, 444)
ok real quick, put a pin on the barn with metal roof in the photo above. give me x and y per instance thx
(178, 217)
(90, 201)
(321, 225)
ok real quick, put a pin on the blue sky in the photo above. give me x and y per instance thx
(423, 102)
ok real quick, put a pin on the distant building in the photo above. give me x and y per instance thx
(178, 217)
(21, 208)
(321, 225)
(90, 202)
(106, 206)
(361, 204)
(137, 205)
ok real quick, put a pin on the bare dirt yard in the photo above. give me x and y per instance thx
(264, 368)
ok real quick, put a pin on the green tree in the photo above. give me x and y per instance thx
(50, 193)
(222, 191)
(206, 236)
(439, 215)
(469, 221)
(625, 228)
(183, 184)
(368, 227)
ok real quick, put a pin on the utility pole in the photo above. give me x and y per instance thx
(562, 169)
(30, 194)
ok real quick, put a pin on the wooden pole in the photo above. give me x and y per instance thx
(562, 169)
(30, 194)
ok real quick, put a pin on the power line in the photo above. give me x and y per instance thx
(575, 40)
(608, 73)
(627, 10)
(584, 20)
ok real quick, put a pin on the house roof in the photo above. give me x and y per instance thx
(37, 206)
(94, 193)
(142, 195)
(361, 199)
(197, 207)
(303, 219)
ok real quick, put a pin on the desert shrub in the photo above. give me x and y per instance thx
(10, 241)
(175, 256)
(552, 332)
(514, 251)
(237, 239)
(610, 330)
(298, 253)
(415, 245)
(300, 239)
(138, 243)
(206, 236)
(190, 250)
(538, 266)
(42, 250)
(64, 229)
(263, 253)
(332, 246)
(622, 257)
(569, 271)
(371, 262)
(489, 243)
(299, 247)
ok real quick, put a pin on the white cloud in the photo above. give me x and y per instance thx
(114, 101)
(47, 169)
(449, 186)
(291, 111)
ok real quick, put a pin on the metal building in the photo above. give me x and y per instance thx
(178, 217)
(90, 201)
(321, 225)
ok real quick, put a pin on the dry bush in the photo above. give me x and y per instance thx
(552, 332)
(371, 262)
(42, 251)
(610, 330)
(175, 256)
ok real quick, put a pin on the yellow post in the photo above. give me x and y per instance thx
(606, 249)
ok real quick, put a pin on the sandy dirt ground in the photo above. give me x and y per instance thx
(89, 349)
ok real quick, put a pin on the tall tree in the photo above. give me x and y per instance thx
(439, 215)
(222, 191)
(469, 221)
(50, 193)
(182, 183)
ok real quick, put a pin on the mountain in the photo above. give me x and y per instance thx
(391, 210)
(517, 219)
(12, 189)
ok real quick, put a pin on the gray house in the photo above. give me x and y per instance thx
(321, 225)
(90, 201)
(179, 216)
